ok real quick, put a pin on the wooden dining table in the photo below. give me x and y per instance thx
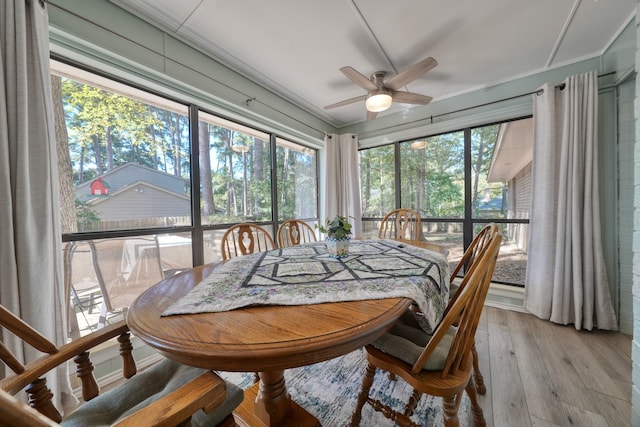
(267, 339)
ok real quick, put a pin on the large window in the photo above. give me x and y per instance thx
(143, 199)
(235, 172)
(432, 175)
(129, 156)
(297, 187)
(458, 182)
(378, 185)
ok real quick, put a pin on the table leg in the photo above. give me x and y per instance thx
(272, 403)
(267, 403)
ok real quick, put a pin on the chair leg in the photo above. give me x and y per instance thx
(476, 409)
(477, 375)
(40, 398)
(450, 405)
(367, 382)
(228, 422)
(73, 315)
(92, 301)
(412, 403)
(102, 320)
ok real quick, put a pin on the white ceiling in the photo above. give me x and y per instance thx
(296, 47)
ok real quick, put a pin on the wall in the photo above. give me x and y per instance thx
(635, 344)
(626, 139)
(520, 207)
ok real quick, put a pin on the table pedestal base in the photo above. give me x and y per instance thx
(294, 416)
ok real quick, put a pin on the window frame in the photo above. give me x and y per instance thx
(468, 221)
(196, 230)
(196, 227)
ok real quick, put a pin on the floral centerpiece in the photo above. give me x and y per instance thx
(338, 235)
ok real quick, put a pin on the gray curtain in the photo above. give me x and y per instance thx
(343, 180)
(566, 280)
(30, 247)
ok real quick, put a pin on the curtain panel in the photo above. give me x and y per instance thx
(342, 189)
(566, 280)
(30, 247)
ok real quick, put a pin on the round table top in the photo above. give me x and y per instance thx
(259, 338)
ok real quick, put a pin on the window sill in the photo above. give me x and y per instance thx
(506, 297)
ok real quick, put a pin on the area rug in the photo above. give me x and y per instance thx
(328, 390)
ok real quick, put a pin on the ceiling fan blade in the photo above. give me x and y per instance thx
(371, 115)
(346, 102)
(410, 74)
(411, 98)
(358, 78)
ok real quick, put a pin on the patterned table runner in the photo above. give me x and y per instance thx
(306, 274)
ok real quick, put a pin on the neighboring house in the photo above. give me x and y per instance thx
(489, 208)
(511, 165)
(132, 192)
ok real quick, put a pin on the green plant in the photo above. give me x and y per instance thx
(86, 216)
(337, 228)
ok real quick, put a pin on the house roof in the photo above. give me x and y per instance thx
(513, 150)
(140, 187)
(129, 173)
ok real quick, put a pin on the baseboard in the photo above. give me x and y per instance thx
(503, 306)
(506, 297)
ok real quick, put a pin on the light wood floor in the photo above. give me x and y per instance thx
(542, 374)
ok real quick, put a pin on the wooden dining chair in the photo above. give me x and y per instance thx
(469, 259)
(401, 224)
(166, 393)
(294, 232)
(245, 239)
(440, 364)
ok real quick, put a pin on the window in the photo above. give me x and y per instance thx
(235, 172)
(129, 156)
(432, 175)
(129, 217)
(378, 185)
(458, 182)
(297, 187)
(501, 190)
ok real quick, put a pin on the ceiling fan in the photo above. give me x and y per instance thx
(381, 94)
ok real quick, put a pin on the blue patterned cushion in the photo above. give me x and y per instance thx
(144, 388)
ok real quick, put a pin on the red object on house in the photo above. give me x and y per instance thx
(99, 187)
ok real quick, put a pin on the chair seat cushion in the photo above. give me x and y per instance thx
(406, 340)
(144, 388)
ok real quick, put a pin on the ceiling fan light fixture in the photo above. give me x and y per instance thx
(240, 148)
(378, 102)
(419, 145)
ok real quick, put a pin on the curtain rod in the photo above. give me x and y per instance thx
(330, 136)
(249, 97)
(535, 92)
